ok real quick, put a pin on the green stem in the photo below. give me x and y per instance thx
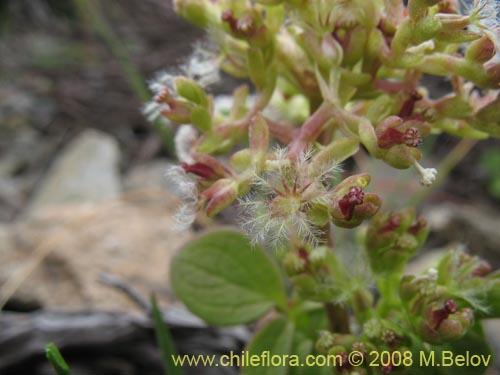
(388, 286)
(311, 129)
(338, 317)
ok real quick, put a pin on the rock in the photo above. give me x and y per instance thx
(19, 169)
(86, 171)
(57, 255)
(147, 176)
(475, 226)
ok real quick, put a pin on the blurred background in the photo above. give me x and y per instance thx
(85, 215)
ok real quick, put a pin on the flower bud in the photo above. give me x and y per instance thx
(294, 263)
(218, 168)
(418, 8)
(260, 71)
(325, 341)
(445, 324)
(199, 12)
(352, 205)
(258, 134)
(481, 50)
(488, 119)
(393, 238)
(192, 91)
(395, 131)
(248, 26)
(219, 196)
(363, 303)
(242, 160)
(355, 207)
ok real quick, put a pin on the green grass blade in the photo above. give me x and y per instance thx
(165, 340)
(56, 359)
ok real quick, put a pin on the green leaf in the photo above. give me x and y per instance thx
(164, 339)
(56, 360)
(286, 348)
(473, 342)
(225, 281)
(200, 117)
(192, 91)
(276, 339)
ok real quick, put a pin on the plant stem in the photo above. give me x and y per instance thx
(311, 129)
(388, 288)
(337, 315)
(338, 318)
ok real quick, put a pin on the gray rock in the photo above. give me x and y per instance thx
(476, 226)
(55, 258)
(86, 171)
(147, 176)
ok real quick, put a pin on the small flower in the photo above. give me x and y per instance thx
(184, 140)
(445, 324)
(280, 207)
(165, 101)
(202, 67)
(484, 17)
(427, 175)
(449, 307)
(325, 341)
(353, 198)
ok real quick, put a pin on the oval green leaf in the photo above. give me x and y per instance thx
(222, 279)
(275, 339)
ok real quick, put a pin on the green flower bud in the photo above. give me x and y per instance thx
(258, 134)
(481, 50)
(354, 208)
(488, 119)
(179, 111)
(393, 238)
(426, 29)
(362, 302)
(325, 341)
(219, 196)
(401, 156)
(354, 45)
(454, 107)
(201, 13)
(242, 160)
(191, 90)
(294, 264)
(418, 8)
(445, 324)
(325, 51)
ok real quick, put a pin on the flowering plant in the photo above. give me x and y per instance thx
(331, 77)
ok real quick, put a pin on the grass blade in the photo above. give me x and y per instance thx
(165, 341)
(56, 359)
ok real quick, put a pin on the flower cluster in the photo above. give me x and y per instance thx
(333, 79)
